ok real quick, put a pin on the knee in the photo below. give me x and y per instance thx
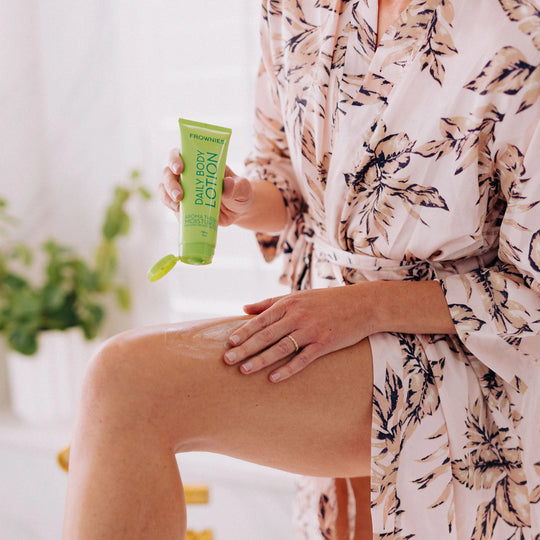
(114, 384)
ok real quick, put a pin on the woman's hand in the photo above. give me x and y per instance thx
(319, 321)
(236, 199)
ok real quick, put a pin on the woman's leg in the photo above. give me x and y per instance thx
(156, 391)
(362, 495)
(361, 488)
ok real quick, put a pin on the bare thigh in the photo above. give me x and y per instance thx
(173, 379)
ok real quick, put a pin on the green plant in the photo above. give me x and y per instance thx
(72, 288)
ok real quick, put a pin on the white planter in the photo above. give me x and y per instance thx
(45, 387)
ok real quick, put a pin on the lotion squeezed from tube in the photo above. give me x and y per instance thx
(204, 152)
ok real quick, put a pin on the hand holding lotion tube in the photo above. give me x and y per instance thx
(204, 152)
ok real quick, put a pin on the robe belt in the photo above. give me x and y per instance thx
(302, 242)
(360, 261)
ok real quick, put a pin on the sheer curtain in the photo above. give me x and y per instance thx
(90, 90)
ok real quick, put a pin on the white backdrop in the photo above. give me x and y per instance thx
(89, 90)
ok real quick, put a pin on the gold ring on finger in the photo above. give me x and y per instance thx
(296, 347)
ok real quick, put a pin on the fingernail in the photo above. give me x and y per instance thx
(174, 168)
(174, 206)
(275, 377)
(176, 195)
(247, 367)
(230, 357)
(235, 340)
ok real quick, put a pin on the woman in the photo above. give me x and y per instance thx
(397, 153)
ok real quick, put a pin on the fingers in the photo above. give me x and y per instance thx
(170, 191)
(176, 165)
(299, 362)
(242, 190)
(287, 333)
(258, 342)
(283, 349)
(166, 199)
(236, 199)
(267, 337)
(241, 334)
(276, 349)
(237, 189)
(228, 187)
(259, 307)
(229, 172)
(270, 338)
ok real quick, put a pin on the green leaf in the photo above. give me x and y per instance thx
(125, 224)
(12, 281)
(123, 297)
(56, 250)
(23, 339)
(112, 225)
(162, 267)
(66, 316)
(106, 262)
(23, 253)
(92, 316)
(54, 295)
(60, 263)
(145, 194)
(121, 195)
(86, 279)
(117, 222)
(25, 304)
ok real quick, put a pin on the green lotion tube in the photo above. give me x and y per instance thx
(204, 152)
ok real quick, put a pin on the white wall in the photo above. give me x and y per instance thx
(21, 122)
(81, 97)
(89, 90)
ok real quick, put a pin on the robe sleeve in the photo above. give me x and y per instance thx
(270, 158)
(496, 310)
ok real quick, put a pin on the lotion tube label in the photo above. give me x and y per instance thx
(204, 153)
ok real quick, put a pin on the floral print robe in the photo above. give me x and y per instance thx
(419, 159)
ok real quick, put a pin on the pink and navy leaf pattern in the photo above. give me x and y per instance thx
(419, 159)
